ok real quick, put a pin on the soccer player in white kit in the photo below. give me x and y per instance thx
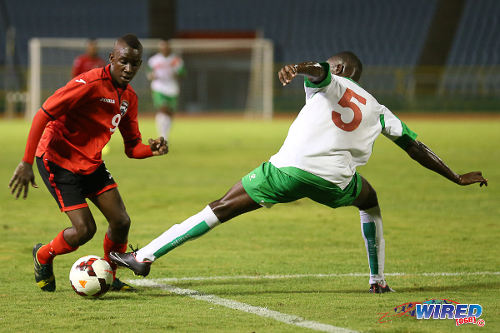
(164, 70)
(332, 135)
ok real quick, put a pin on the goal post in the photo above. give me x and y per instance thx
(223, 75)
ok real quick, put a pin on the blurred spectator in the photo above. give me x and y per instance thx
(164, 71)
(89, 60)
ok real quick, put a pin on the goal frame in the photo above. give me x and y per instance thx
(261, 74)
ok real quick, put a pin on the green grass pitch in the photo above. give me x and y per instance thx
(431, 226)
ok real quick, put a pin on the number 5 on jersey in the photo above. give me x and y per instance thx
(346, 102)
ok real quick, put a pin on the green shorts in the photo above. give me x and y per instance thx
(160, 100)
(268, 185)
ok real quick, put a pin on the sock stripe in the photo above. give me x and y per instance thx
(370, 231)
(195, 232)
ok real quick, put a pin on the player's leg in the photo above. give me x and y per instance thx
(235, 202)
(68, 240)
(163, 123)
(63, 185)
(112, 207)
(373, 235)
(166, 106)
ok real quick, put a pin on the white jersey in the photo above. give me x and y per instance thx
(335, 130)
(165, 70)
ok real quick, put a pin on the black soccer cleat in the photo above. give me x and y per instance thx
(44, 274)
(380, 287)
(128, 260)
(118, 285)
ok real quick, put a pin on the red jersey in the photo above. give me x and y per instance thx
(84, 114)
(84, 63)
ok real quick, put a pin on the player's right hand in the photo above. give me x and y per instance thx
(472, 178)
(287, 74)
(23, 176)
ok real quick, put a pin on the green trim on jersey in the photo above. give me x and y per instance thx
(407, 137)
(323, 83)
(268, 185)
(382, 121)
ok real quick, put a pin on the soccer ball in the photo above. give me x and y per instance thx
(91, 276)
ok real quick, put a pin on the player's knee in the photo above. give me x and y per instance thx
(367, 198)
(220, 208)
(371, 199)
(85, 232)
(121, 222)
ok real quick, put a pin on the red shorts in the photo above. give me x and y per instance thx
(71, 190)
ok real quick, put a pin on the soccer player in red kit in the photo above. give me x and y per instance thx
(88, 60)
(67, 136)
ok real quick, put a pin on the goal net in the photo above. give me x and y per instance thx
(222, 75)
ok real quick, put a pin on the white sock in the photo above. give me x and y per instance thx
(192, 228)
(373, 234)
(163, 124)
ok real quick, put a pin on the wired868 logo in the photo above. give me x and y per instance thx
(462, 313)
(437, 309)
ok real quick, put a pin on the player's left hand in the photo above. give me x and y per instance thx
(472, 178)
(158, 146)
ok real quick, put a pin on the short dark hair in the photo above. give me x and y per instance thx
(132, 41)
(352, 59)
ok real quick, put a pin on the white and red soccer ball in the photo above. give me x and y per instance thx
(91, 276)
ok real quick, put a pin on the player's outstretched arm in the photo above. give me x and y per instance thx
(427, 158)
(313, 70)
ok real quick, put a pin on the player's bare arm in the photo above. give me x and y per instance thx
(427, 158)
(23, 176)
(158, 146)
(312, 70)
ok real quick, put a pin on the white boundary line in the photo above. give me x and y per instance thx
(299, 276)
(257, 310)
(265, 312)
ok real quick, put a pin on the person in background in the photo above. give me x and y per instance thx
(164, 69)
(87, 61)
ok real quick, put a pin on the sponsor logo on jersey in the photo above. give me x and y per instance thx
(81, 81)
(107, 100)
(123, 107)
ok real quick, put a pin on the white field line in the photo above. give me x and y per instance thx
(299, 276)
(257, 310)
(265, 312)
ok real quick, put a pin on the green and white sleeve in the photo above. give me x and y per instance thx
(394, 129)
(312, 88)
